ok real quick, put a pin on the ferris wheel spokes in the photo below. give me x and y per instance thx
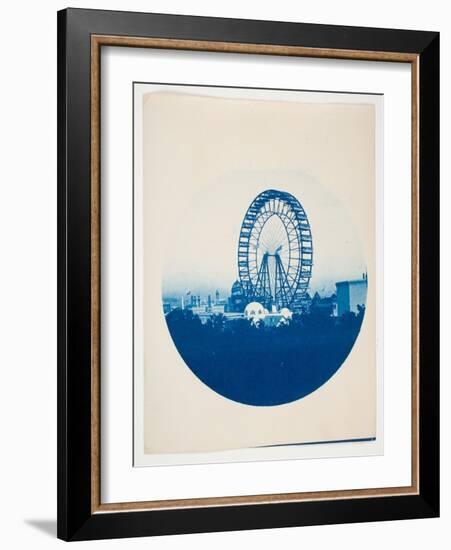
(275, 253)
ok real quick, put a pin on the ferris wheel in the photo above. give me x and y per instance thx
(275, 251)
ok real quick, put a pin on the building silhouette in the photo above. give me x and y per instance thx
(237, 299)
(351, 294)
(323, 305)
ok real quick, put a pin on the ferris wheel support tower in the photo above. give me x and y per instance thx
(275, 251)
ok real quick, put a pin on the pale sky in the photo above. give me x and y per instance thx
(207, 157)
(205, 242)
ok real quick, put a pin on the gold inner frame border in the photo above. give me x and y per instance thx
(97, 41)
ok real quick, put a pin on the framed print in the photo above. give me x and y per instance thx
(255, 279)
(248, 274)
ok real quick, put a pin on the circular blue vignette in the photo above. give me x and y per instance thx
(254, 364)
(270, 342)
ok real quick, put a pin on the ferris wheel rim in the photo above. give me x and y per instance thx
(293, 281)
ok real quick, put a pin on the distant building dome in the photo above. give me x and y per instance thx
(237, 289)
(286, 313)
(255, 311)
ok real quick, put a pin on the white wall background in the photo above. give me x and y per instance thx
(28, 274)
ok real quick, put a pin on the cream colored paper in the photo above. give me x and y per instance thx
(199, 154)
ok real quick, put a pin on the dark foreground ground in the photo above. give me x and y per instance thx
(264, 366)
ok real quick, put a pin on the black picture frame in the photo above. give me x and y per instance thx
(76, 518)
